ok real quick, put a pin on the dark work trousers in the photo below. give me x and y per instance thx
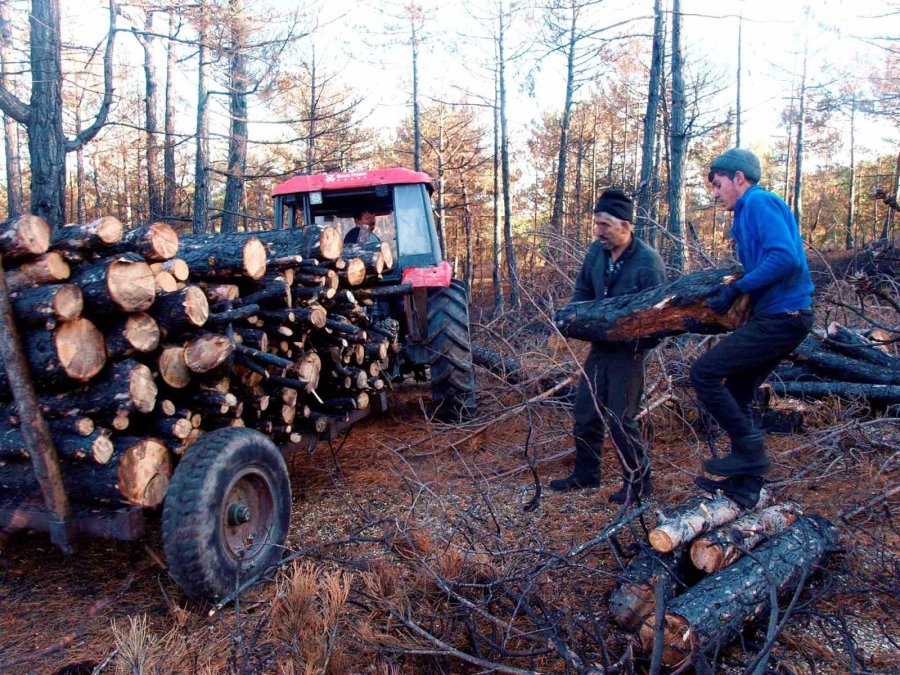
(727, 376)
(609, 396)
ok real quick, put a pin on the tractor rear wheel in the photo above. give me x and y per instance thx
(450, 352)
(227, 512)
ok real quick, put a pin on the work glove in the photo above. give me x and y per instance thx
(723, 298)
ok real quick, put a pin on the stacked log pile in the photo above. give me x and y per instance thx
(714, 566)
(139, 341)
(842, 363)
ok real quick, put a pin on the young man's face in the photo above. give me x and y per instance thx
(727, 191)
(613, 233)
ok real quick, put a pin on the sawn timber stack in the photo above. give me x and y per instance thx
(135, 353)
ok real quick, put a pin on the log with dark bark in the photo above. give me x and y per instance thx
(95, 447)
(506, 368)
(813, 354)
(24, 236)
(697, 516)
(670, 309)
(71, 353)
(634, 597)
(182, 310)
(722, 547)
(127, 386)
(310, 242)
(223, 256)
(136, 332)
(858, 347)
(51, 302)
(882, 394)
(89, 237)
(712, 613)
(156, 242)
(137, 473)
(49, 268)
(125, 282)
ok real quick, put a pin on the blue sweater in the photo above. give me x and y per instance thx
(769, 246)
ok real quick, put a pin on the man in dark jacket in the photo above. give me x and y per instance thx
(776, 275)
(610, 392)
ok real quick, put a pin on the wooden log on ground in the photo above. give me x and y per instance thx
(224, 256)
(697, 516)
(156, 242)
(49, 268)
(812, 353)
(127, 386)
(856, 346)
(96, 235)
(507, 368)
(634, 597)
(51, 302)
(382, 291)
(72, 352)
(182, 310)
(136, 332)
(24, 236)
(670, 309)
(712, 613)
(881, 394)
(124, 281)
(73, 425)
(722, 547)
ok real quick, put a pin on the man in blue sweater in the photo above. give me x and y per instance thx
(776, 276)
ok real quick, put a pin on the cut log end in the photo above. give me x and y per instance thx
(173, 368)
(80, 348)
(131, 285)
(144, 473)
(142, 332)
(331, 244)
(26, 235)
(677, 639)
(707, 556)
(356, 271)
(164, 240)
(661, 541)
(207, 352)
(254, 259)
(143, 389)
(68, 302)
(109, 229)
(196, 305)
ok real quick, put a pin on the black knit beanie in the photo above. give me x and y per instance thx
(616, 203)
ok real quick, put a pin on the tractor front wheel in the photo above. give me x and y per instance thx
(450, 352)
(227, 512)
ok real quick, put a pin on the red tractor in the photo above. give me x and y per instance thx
(394, 205)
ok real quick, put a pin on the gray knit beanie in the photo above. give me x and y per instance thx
(737, 159)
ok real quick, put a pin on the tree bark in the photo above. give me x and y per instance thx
(201, 157)
(882, 394)
(224, 256)
(670, 309)
(24, 236)
(679, 144)
(49, 303)
(724, 546)
(15, 201)
(237, 140)
(712, 613)
(634, 598)
(695, 517)
(644, 196)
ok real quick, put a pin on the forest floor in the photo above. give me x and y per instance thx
(416, 541)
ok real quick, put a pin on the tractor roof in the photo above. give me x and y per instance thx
(352, 179)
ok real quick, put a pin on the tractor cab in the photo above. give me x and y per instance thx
(398, 199)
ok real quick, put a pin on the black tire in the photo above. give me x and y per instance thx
(450, 353)
(208, 544)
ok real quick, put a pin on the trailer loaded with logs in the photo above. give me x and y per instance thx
(145, 370)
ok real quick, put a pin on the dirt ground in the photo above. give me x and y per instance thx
(467, 487)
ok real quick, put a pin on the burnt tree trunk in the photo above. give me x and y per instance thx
(714, 612)
(669, 309)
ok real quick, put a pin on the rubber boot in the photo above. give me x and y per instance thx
(575, 481)
(747, 458)
(743, 490)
